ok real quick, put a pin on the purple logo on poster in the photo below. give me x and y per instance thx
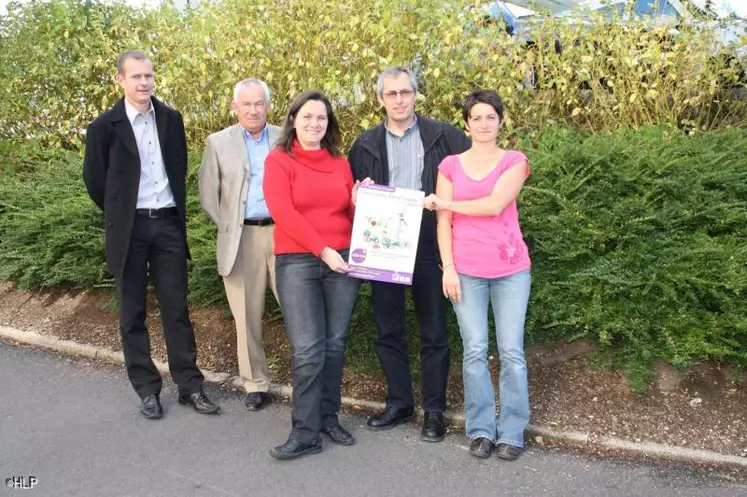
(359, 255)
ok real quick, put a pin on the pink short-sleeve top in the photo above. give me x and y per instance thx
(485, 246)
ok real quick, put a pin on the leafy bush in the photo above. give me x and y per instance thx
(58, 64)
(50, 231)
(637, 239)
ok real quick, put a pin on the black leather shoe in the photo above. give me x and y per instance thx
(200, 402)
(293, 449)
(339, 435)
(508, 452)
(389, 418)
(150, 407)
(254, 401)
(434, 427)
(481, 447)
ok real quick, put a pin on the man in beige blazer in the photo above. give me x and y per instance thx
(230, 183)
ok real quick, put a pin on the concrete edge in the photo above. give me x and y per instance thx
(582, 439)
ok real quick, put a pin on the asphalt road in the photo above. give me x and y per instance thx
(74, 426)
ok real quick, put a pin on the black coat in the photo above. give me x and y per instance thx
(368, 159)
(111, 172)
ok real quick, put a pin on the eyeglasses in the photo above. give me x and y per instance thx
(404, 94)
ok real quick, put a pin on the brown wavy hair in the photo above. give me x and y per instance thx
(330, 140)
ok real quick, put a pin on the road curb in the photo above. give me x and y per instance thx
(581, 439)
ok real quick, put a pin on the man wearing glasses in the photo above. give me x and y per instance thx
(230, 183)
(405, 151)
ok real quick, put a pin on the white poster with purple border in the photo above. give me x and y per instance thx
(385, 234)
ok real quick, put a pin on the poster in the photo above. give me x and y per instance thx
(385, 233)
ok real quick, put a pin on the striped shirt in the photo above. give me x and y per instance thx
(405, 157)
(154, 191)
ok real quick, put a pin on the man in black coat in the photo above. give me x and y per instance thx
(405, 151)
(135, 170)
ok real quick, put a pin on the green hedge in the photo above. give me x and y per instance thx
(638, 242)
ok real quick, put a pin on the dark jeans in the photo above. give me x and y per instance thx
(157, 245)
(391, 344)
(317, 304)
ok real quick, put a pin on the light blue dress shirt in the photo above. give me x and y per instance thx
(256, 151)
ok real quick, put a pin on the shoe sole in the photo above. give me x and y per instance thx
(285, 457)
(392, 425)
(151, 416)
(212, 411)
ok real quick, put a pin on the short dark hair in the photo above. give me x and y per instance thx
(130, 54)
(331, 138)
(482, 97)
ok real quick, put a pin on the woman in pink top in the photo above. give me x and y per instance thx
(485, 260)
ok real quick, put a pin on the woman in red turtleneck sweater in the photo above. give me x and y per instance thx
(310, 193)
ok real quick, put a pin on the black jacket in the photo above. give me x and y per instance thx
(111, 172)
(368, 159)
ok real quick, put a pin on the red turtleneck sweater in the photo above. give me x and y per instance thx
(308, 195)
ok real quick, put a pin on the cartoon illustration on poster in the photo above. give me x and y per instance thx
(385, 233)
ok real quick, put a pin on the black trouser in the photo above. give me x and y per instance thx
(157, 245)
(391, 344)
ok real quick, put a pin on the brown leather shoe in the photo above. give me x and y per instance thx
(481, 447)
(508, 452)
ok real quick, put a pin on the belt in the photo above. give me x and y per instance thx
(158, 213)
(259, 222)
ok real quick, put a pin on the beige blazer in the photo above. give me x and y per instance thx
(224, 183)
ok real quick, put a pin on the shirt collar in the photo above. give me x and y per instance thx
(248, 136)
(412, 127)
(132, 112)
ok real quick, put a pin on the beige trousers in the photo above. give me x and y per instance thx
(245, 289)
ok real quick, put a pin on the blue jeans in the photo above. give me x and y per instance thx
(317, 304)
(508, 296)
